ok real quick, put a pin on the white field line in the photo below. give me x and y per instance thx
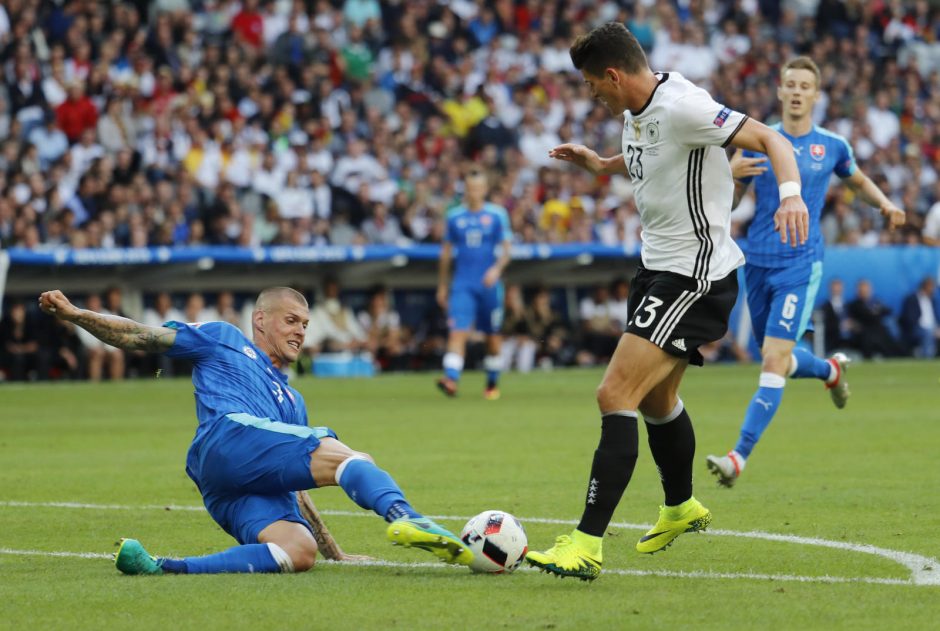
(442, 566)
(924, 570)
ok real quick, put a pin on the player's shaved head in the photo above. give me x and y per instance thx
(609, 45)
(273, 297)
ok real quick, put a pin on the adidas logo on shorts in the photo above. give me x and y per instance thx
(679, 343)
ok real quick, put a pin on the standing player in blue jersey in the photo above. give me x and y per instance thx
(253, 448)
(781, 280)
(479, 232)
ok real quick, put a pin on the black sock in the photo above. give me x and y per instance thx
(673, 447)
(614, 460)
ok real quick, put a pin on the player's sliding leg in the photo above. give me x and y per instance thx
(636, 367)
(374, 489)
(672, 443)
(132, 558)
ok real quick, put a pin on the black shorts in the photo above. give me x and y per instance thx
(678, 313)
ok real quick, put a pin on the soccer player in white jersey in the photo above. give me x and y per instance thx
(674, 136)
(782, 282)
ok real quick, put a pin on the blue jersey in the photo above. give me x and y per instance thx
(476, 235)
(819, 154)
(233, 376)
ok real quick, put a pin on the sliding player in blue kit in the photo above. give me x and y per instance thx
(781, 280)
(253, 448)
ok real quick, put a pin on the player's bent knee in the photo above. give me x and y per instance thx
(305, 556)
(301, 555)
(612, 396)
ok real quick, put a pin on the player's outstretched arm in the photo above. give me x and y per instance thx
(326, 544)
(862, 186)
(588, 159)
(114, 330)
(792, 218)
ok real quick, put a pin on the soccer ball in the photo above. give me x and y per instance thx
(497, 540)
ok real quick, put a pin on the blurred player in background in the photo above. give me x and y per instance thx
(782, 281)
(477, 243)
(682, 294)
(253, 447)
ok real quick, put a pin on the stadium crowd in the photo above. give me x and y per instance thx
(184, 122)
(304, 122)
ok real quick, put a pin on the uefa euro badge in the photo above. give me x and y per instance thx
(636, 129)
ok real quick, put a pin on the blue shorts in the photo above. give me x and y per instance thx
(781, 299)
(476, 305)
(247, 469)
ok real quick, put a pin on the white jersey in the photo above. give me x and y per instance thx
(673, 150)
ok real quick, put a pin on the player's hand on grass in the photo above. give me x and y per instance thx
(491, 277)
(742, 167)
(55, 303)
(442, 297)
(895, 216)
(353, 558)
(579, 155)
(792, 221)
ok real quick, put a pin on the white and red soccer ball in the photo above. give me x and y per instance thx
(497, 540)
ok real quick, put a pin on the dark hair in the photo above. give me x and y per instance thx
(608, 45)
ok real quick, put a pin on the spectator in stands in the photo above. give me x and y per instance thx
(382, 228)
(548, 328)
(225, 309)
(195, 309)
(101, 357)
(49, 140)
(870, 333)
(77, 113)
(931, 232)
(333, 327)
(19, 344)
(518, 348)
(600, 330)
(383, 329)
(836, 325)
(60, 351)
(619, 303)
(161, 312)
(920, 328)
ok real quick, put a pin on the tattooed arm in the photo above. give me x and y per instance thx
(114, 330)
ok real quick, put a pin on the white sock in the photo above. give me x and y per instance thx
(283, 559)
(453, 361)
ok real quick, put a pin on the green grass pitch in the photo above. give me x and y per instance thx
(867, 476)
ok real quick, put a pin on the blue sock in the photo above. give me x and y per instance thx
(808, 365)
(760, 412)
(373, 489)
(493, 365)
(453, 366)
(252, 558)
